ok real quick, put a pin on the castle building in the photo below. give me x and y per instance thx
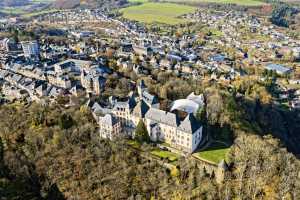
(162, 126)
(110, 127)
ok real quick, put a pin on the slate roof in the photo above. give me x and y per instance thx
(149, 98)
(218, 58)
(162, 117)
(66, 65)
(278, 68)
(101, 80)
(142, 84)
(73, 62)
(131, 101)
(189, 124)
(16, 77)
(30, 86)
(29, 67)
(129, 104)
(96, 70)
(41, 88)
(140, 109)
(75, 89)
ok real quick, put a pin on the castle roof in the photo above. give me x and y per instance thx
(162, 117)
(140, 109)
(189, 124)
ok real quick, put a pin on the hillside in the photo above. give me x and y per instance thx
(21, 7)
(237, 2)
(67, 4)
(2, 14)
(57, 152)
(12, 3)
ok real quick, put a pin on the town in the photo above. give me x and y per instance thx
(43, 71)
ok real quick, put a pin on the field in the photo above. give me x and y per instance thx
(238, 2)
(166, 13)
(24, 10)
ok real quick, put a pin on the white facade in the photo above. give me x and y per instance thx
(162, 126)
(187, 141)
(109, 126)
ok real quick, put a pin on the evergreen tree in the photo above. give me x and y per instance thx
(141, 133)
(65, 121)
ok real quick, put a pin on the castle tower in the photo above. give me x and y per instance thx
(221, 170)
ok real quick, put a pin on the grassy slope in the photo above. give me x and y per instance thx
(157, 12)
(214, 153)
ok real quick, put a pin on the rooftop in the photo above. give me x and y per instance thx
(278, 68)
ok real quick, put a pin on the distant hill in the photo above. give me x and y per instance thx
(12, 3)
(67, 4)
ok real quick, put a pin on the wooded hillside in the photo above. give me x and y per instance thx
(50, 152)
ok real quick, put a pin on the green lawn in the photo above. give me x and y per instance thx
(215, 153)
(166, 13)
(238, 2)
(165, 155)
(134, 144)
